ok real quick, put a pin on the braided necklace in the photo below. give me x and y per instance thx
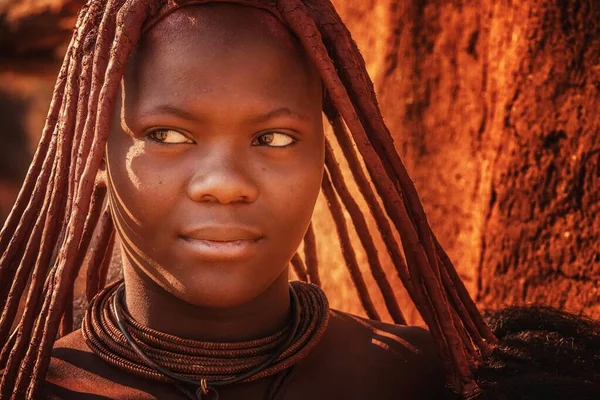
(114, 336)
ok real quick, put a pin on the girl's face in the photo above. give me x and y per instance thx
(215, 157)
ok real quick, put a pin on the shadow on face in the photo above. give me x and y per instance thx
(215, 158)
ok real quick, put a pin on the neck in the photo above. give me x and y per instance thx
(152, 306)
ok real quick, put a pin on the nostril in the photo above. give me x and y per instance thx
(223, 185)
(208, 198)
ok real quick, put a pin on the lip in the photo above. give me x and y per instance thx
(222, 233)
(221, 242)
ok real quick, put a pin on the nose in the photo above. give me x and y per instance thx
(222, 178)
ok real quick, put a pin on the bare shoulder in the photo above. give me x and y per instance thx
(75, 372)
(361, 358)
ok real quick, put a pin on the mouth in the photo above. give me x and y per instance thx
(221, 242)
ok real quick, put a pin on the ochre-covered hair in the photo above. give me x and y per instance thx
(48, 233)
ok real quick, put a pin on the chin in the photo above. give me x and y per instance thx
(219, 289)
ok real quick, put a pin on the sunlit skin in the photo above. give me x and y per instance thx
(214, 164)
(204, 149)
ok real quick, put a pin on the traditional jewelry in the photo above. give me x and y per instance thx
(118, 339)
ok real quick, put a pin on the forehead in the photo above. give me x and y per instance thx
(225, 20)
(220, 49)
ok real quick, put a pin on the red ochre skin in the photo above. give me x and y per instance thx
(210, 219)
(356, 359)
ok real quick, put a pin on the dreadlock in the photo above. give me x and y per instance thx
(46, 238)
(542, 353)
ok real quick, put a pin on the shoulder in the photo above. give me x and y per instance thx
(75, 372)
(370, 359)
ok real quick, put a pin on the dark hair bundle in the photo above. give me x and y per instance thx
(543, 353)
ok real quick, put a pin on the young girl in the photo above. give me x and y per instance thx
(192, 131)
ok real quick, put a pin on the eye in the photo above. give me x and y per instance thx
(168, 136)
(273, 139)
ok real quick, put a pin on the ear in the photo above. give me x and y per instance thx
(102, 175)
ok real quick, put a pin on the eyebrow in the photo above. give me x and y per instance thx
(169, 109)
(181, 113)
(279, 112)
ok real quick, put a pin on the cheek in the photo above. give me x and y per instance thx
(302, 183)
(141, 189)
(292, 194)
(160, 182)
